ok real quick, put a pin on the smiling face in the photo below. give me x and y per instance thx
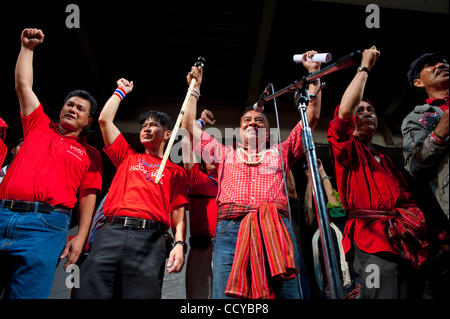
(74, 115)
(153, 135)
(434, 75)
(254, 129)
(366, 119)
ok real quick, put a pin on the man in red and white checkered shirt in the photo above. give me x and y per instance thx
(249, 175)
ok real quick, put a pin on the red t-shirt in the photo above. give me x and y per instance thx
(364, 183)
(133, 191)
(202, 202)
(51, 168)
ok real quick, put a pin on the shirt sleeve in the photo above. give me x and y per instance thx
(179, 195)
(93, 177)
(292, 147)
(35, 119)
(421, 154)
(209, 149)
(118, 150)
(340, 136)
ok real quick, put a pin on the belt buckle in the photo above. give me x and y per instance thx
(128, 222)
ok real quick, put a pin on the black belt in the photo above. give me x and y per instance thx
(138, 223)
(23, 206)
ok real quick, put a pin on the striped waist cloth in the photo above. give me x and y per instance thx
(235, 211)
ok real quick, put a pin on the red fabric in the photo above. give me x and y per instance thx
(3, 152)
(249, 277)
(133, 191)
(246, 185)
(3, 147)
(365, 184)
(202, 209)
(51, 168)
(442, 103)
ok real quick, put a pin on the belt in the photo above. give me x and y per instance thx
(138, 223)
(23, 206)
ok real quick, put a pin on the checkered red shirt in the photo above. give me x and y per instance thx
(246, 185)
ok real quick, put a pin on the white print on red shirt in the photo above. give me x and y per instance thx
(149, 170)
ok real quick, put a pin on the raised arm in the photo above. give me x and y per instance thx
(108, 113)
(28, 100)
(314, 106)
(206, 119)
(355, 91)
(190, 112)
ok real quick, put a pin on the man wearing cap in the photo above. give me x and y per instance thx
(54, 170)
(426, 129)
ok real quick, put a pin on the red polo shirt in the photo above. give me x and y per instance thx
(51, 168)
(202, 202)
(365, 184)
(133, 191)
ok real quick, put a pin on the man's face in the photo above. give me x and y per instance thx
(366, 119)
(153, 133)
(74, 115)
(433, 75)
(254, 128)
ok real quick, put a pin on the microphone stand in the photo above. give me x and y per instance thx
(301, 101)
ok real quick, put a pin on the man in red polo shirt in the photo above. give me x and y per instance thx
(128, 254)
(40, 187)
(384, 233)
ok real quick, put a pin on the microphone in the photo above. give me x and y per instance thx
(318, 57)
(259, 106)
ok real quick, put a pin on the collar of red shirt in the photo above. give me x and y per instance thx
(79, 139)
(441, 103)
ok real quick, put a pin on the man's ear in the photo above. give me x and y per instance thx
(167, 135)
(90, 120)
(418, 83)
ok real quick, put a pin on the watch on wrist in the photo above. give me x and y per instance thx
(363, 68)
(182, 243)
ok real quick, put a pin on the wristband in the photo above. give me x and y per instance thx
(182, 243)
(120, 93)
(325, 177)
(195, 93)
(437, 140)
(201, 122)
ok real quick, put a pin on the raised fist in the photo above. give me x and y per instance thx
(126, 85)
(197, 74)
(208, 117)
(369, 57)
(31, 38)
(310, 65)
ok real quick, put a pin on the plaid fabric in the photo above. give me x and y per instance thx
(250, 185)
(263, 250)
(406, 230)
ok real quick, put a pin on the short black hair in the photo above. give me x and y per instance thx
(84, 95)
(163, 118)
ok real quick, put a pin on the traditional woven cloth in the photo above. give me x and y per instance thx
(264, 251)
(406, 231)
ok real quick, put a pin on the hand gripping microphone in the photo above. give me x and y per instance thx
(259, 106)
